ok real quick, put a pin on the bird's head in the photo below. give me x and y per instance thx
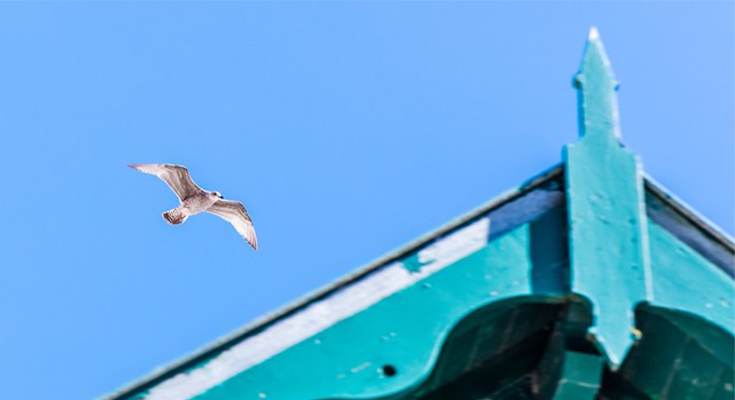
(218, 194)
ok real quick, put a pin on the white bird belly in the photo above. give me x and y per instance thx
(197, 204)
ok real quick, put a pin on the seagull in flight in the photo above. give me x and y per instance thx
(194, 200)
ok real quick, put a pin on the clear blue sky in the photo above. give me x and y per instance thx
(347, 129)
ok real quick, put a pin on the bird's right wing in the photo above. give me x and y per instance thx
(176, 177)
(234, 212)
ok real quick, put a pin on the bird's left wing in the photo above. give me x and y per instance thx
(234, 212)
(176, 177)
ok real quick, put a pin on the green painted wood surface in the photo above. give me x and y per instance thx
(492, 353)
(405, 331)
(565, 373)
(686, 281)
(680, 356)
(581, 376)
(608, 236)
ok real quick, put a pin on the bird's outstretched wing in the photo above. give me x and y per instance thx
(176, 177)
(234, 212)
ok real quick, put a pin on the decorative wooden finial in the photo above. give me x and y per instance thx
(596, 86)
(606, 210)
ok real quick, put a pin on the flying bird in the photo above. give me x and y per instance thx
(194, 200)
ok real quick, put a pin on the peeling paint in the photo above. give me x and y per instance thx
(360, 367)
(458, 245)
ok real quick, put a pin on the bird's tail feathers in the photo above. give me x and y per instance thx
(175, 216)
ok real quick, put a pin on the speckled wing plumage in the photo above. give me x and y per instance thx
(234, 212)
(176, 177)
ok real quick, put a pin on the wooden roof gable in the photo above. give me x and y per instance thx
(573, 285)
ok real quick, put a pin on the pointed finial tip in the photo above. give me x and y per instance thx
(594, 34)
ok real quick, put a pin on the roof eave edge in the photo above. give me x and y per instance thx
(689, 213)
